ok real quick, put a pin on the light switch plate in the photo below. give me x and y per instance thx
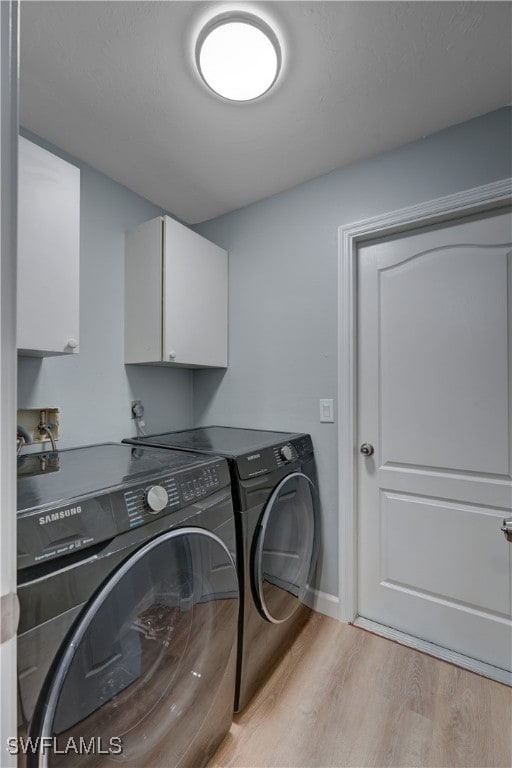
(327, 410)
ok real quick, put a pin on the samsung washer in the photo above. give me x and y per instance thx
(129, 607)
(277, 523)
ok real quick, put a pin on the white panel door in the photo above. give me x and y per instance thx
(434, 394)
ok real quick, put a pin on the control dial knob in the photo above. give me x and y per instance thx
(286, 453)
(155, 499)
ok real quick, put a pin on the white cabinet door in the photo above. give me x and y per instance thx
(434, 392)
(143, 293)
(195, 298)
(176, 297)
(48, 252)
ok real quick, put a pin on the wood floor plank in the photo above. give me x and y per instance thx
(390, 736)
(330, 686)
(473, 722)
(345, 698)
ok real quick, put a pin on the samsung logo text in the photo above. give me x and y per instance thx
(52, 517)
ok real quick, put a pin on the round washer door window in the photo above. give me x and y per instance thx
(147, 659)
(283, 548)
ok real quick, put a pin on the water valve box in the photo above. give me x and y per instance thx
(31, 419)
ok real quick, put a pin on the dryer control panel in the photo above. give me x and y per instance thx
(274, 457)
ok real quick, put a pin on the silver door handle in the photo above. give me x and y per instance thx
(507, 529)
(367, 449)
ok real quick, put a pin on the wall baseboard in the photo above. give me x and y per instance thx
(323, 602)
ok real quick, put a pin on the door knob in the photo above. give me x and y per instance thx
(367, 449)
(507, 529)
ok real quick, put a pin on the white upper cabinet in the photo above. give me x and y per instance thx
(176, 297)
(48, 252)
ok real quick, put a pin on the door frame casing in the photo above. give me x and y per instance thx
(459, 205)
(9, 609)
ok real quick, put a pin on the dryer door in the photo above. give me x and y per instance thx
(147, 663)
(283, 548)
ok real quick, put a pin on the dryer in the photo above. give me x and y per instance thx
(277, 520)
(129, 607)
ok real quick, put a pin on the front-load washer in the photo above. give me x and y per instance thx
(129, 607)
(277, 521)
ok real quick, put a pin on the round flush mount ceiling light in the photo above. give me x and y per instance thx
(238, 56)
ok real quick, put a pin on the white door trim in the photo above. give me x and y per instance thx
(8, 226)
(461, 204)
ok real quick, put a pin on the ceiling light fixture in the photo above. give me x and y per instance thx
(238, 56)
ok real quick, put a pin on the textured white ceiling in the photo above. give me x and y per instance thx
(113, 83)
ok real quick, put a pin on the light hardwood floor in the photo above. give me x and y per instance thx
(344, 697)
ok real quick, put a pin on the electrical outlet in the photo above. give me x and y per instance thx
(136, 404)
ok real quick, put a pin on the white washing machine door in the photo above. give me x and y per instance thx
(146, 661)
(283, 548)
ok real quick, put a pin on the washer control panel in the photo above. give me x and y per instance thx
(59, 529)
(195, 485)
(155, 499)
(170, 492)
(54, 531)
(151, 499)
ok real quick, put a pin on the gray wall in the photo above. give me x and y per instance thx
(93, 389)
(283, 287)
(283, 303)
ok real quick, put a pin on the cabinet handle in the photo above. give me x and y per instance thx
(172, 354)
(72, 343)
